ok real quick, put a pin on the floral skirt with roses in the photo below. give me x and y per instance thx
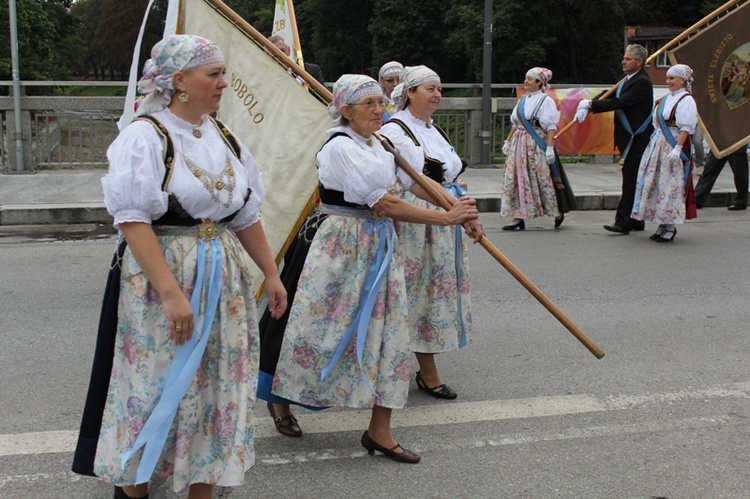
(211, 438)
(528, 190)
(437, 284)
(327, 299)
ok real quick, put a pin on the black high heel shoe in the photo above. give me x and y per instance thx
(559, 220)
(405, 456)
(120, 494)
(656, 235)
(520, 225)
(667, 236)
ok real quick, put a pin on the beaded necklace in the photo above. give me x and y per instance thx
(215, 182)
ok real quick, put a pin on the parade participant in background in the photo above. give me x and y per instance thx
(632, 104)
(389, 76)
(313, 69)
(185, 194)
(664, 177)
(435, 257)
(534, 184)
(347, 340)
(711, 170)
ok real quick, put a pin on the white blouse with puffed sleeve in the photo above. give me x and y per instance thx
(133, 186)
(548, 113)
(686, 115)
(432, 143)
(360, 168)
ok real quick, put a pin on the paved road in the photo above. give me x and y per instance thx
(664, 414)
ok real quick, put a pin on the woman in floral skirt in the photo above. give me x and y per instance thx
(347, 340)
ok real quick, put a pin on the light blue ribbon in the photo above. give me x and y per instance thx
(458, 192)
(537, 138)
(373, 280)
(628, 128)
(672, 141)
(185, 363)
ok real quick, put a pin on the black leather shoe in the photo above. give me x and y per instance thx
(439, 392)
(736, 207)
(638, 225)
(656, 235)
(287, 425)
(405, 456)
(668, 236)
(617, 228)
(698, 206)
(559, 220)
(120, 494)
(520, 225)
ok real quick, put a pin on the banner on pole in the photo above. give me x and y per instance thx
(720, 58)
(284, 26)
(281, 123)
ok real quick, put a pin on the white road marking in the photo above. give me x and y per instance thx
(47, 442)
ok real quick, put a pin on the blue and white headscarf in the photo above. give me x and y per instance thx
(349, 89)
(173, 53)
(411, 77)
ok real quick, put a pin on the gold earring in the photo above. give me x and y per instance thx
(183, 97)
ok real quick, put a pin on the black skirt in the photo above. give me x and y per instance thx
(566, 199)
(96, 398)
(272, 330)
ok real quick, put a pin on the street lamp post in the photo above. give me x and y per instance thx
(16, 84)
(486, 133)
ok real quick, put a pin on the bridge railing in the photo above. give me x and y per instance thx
(74, 132)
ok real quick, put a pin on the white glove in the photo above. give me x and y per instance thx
(550, 153)
(675, 153)
(506, 148)
(583, 110)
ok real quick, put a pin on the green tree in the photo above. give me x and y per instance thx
(109, 51)
(340, 40)
(41, 26)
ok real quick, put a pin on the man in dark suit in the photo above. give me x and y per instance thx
(312, 69)
(632, 103)
(712, 169)
(315, 71)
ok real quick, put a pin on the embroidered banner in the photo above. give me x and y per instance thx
(720, 58)
(281, 123)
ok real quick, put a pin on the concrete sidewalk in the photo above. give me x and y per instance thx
(75, 196)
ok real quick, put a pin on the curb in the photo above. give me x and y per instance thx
(96, 213)
(54, 214)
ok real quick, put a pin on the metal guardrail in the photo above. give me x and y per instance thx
(74, 132)
(72, 139)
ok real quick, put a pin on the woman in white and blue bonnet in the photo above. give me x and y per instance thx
(534, 184)
(347, 341)
(436, 258)
(663, 192)
(185, 195)
(389, 76)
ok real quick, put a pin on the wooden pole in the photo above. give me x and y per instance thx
(653, 56)
(295, 35)
(272, 49)
(325, 94)
(441, 201)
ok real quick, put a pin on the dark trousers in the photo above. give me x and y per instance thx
(629, 180)
(712, 169)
